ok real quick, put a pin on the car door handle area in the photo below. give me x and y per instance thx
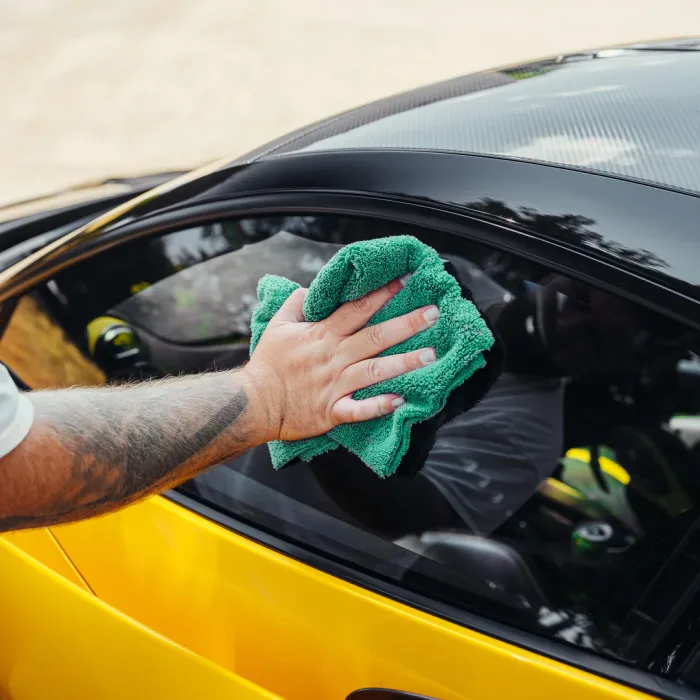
(385, 694)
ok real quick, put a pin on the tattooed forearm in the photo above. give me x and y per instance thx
(91, 451)
(94, 450)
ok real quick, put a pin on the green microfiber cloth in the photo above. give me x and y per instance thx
(460, 338)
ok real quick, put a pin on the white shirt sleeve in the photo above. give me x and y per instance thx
(16, 414)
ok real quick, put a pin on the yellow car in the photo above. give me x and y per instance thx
(548, 547)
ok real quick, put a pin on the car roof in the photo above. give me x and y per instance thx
(628, 112)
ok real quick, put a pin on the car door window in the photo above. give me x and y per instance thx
(214, 301)
(551, 506)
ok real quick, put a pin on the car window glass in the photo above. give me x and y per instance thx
(551, 506)
(215, 300)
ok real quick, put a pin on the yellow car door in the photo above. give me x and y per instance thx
(60, 641)
(290, 628)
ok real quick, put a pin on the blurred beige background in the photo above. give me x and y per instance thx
(93, 88)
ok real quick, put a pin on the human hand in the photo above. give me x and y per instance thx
(306, 373)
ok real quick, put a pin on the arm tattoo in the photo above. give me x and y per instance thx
(98, 449)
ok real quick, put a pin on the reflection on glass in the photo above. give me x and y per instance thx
(215, 300)
(568, 228)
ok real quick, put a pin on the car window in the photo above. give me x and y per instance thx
(551, 506)
(215, 300)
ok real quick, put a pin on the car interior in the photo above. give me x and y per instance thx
(574, 556)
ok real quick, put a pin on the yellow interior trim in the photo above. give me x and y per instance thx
(563, 488)
(611, 468)
(95, 328)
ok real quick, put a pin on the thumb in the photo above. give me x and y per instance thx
(292, 309)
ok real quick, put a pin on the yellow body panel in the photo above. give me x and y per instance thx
(59, 642)
(290, 628)
(42, 546)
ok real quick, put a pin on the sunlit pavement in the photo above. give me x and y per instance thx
(91, 89)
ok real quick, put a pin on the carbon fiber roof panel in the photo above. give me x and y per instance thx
(380, 109)
(628, 113)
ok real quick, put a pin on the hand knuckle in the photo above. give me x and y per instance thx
(363, 304)
(321, 330)
(376, 335)
(414, 321)
(374, 369)
(410, 361)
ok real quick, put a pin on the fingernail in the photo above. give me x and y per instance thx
(427, 356)
(430, 315)
(398, 401)
(404, 278)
